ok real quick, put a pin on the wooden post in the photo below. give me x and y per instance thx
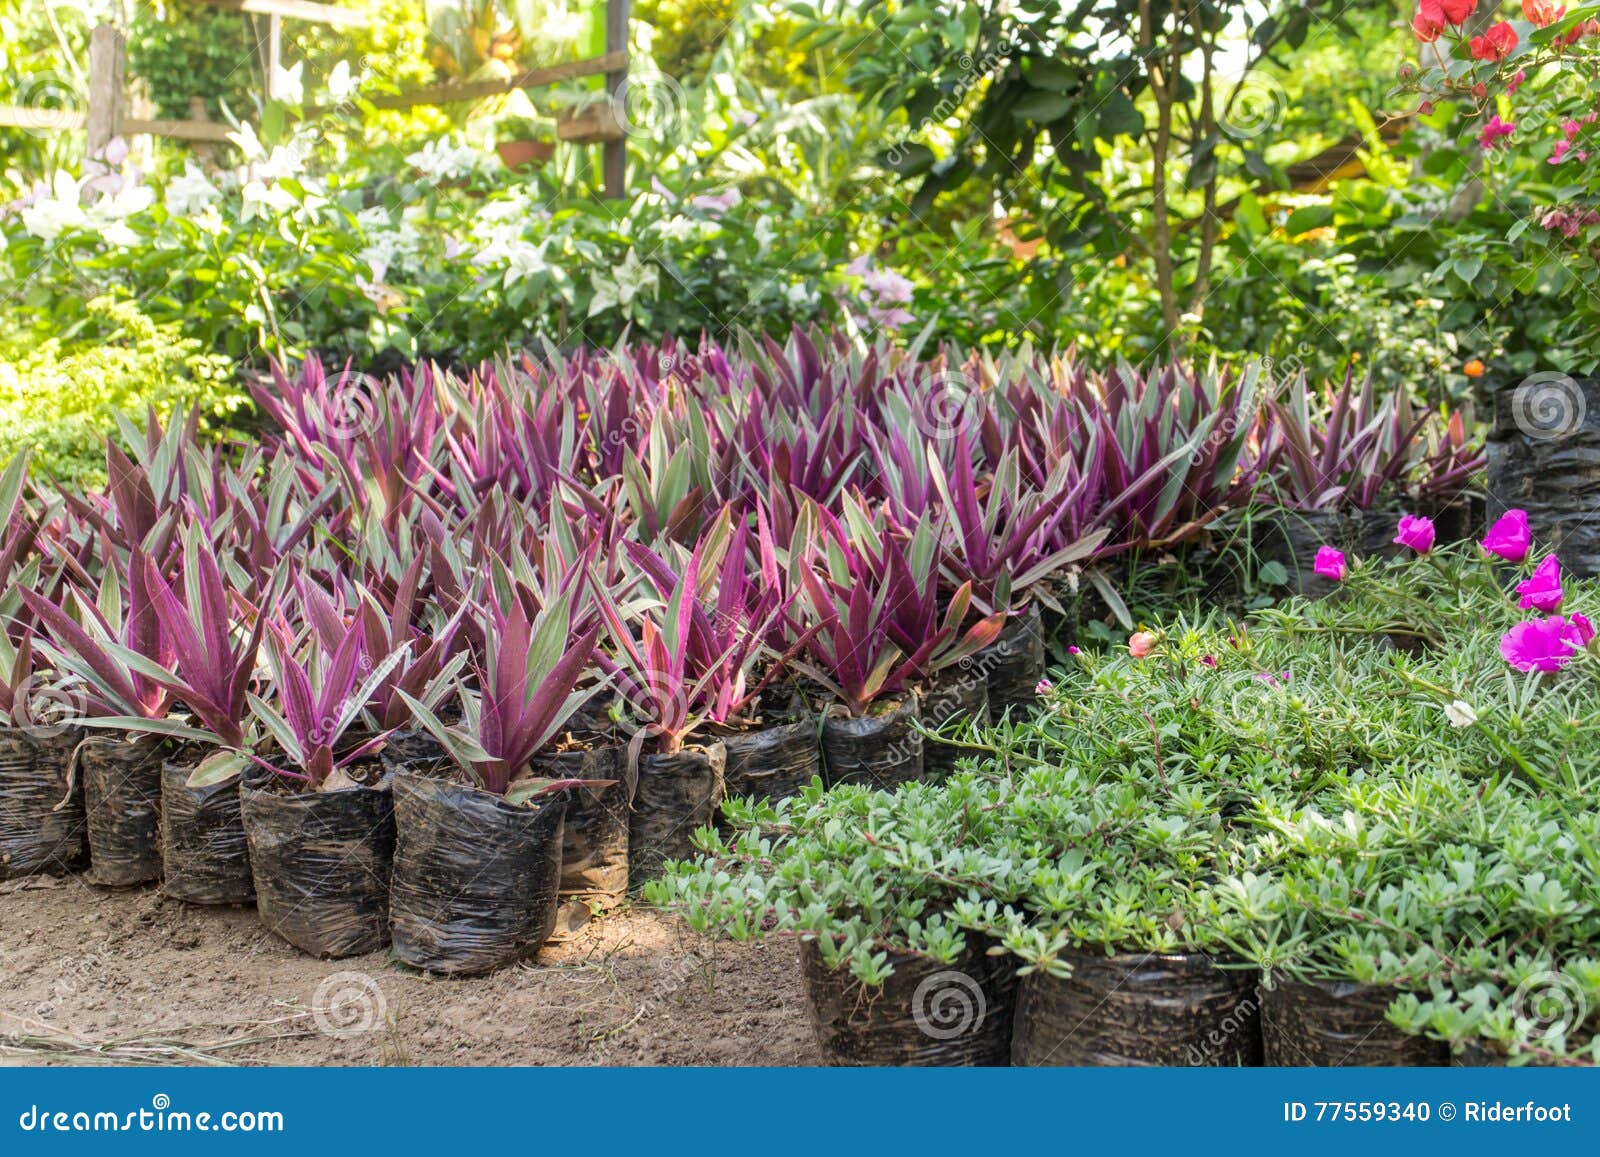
(614, 154)
(268, 28)
(107, 59)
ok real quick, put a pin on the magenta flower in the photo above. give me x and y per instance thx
(1072, 651)
(1417, 533)
(1043, 687)
(1541, 591)
(1209, 660)
(1330, 563)
(1545, 644)
(1509, 537)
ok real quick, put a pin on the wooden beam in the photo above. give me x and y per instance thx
(479, 89)
(107, 59)
(62, 120)
(181, 130)
(294, 10)
(614, 153)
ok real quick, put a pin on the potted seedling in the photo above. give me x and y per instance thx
(864, 590)
(1001, 542)
(668, 684)
(865, 881)
(477, 866)
(316, 804)
(107, 647)
(216, 638)
(738, 616)
(522, 142)
(1111, 926)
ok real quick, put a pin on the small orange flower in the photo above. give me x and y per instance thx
(1473, 369)
(1139, 644)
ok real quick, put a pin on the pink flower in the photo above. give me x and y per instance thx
(1417, 533)
(1330, 563)
(1493, 129)
(1073, 651)
(1580, 629)
(1515, 83)
(1043, 687)
(1545, 644)
(1140, 643)
(1509, 537)
(1542, 590)
(1208, 660)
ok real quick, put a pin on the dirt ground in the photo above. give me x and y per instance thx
(100, 976)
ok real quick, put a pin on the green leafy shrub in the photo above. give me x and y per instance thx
(61, 396)
(1366, 788)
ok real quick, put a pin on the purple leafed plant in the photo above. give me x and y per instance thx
(875, 597)
(1002, 537)
(215, 640)
(121, 658)
(729, 622)
(320, 692)
(1348, 455)
(528, 687)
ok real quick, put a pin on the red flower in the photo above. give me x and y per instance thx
(1496, 44)
(1543, 13)
(1572, 35)
(1433, 15)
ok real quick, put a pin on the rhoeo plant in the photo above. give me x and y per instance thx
(875, 599)
(731, 615)
(319, 698)
(214, 638)
(528, 688)
(119, 656)
(1350, 454)
(664, 664)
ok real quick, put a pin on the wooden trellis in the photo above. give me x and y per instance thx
(107, 117)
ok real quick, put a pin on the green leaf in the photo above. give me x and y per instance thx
(218, 768)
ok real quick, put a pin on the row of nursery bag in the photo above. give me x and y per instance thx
(1355, 831)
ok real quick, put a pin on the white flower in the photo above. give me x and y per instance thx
(188, 194)
(341, 85)
(284, 161)
(443, 161)
(1460, 713)
(50, 215)
(632, 276)
(127, 201)
(249, 144)
(263, 200)
(523, 260)
(287, 85)
(373, 219)
(765, 232)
